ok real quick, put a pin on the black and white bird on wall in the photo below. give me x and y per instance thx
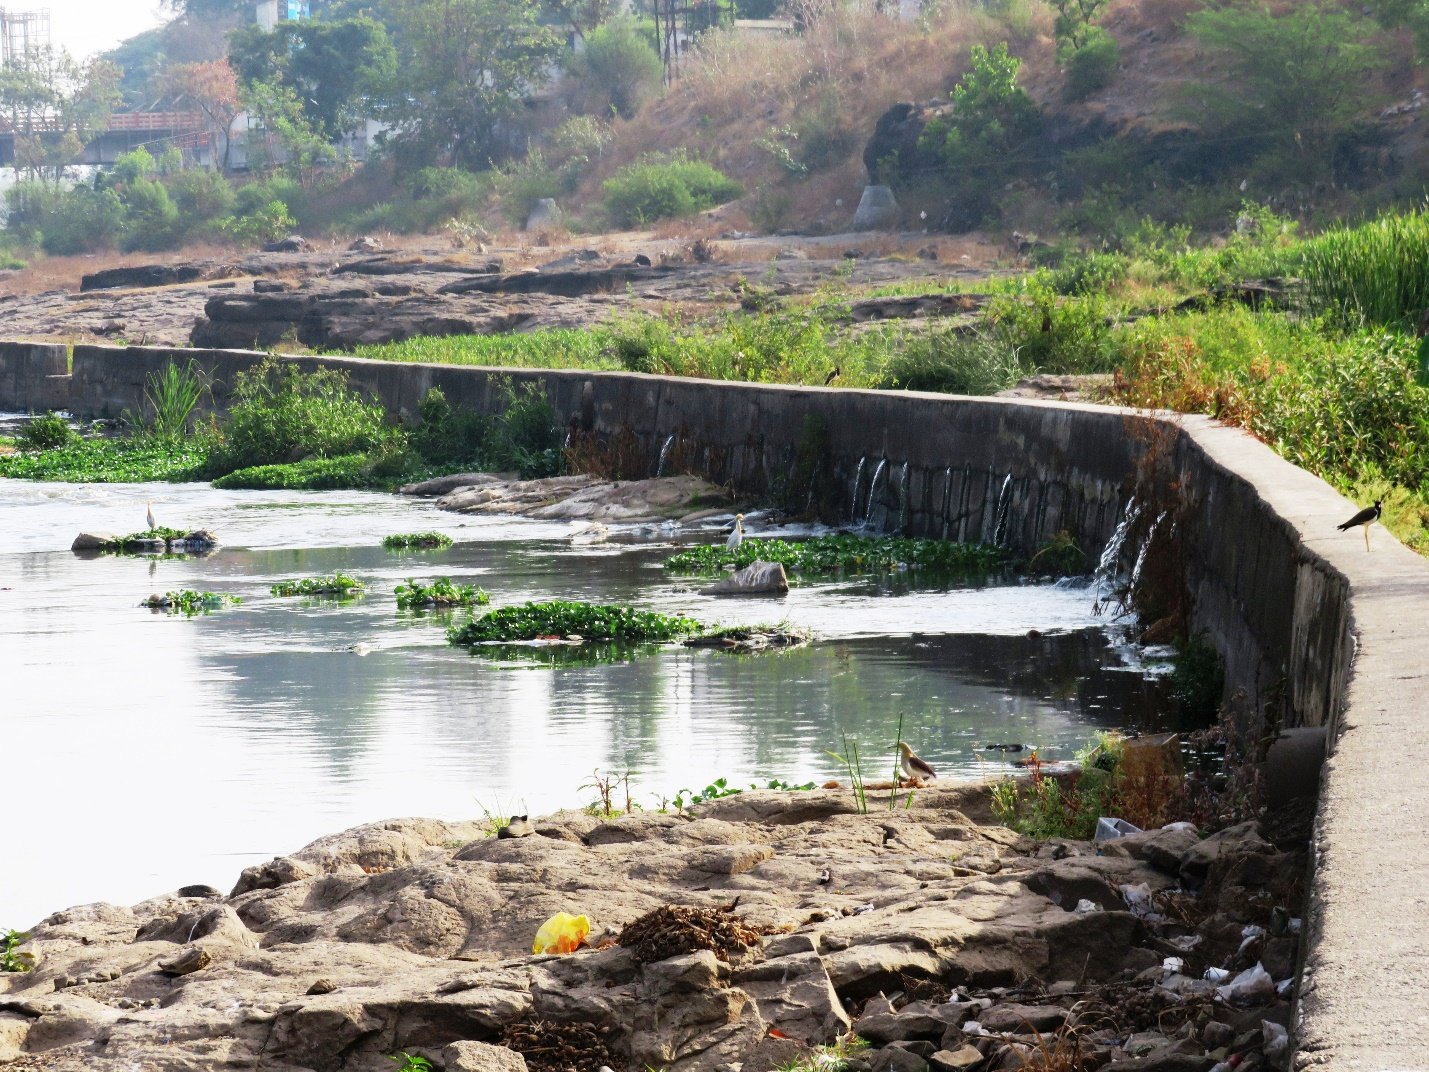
(1365, 518)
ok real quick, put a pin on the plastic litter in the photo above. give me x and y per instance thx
(1110, 829)
(1216, 975)
(1284, 987)
(1138, 900)
(972, 1027)
(1180, 826)
(562, 933)
(1249, 934)
(1184, 943)
(1251, 987)
(1277, 1040)
(1087, 906)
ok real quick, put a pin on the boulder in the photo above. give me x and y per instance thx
(365, 244)
(960, 1060)
(877, 210)
(757, 578)
(94, 541)
(481, 1057)
(294, 243)
(145, 275)
(1017, 1019)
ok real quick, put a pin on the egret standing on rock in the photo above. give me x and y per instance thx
(914, 767)
(737, 536)
(149, 513)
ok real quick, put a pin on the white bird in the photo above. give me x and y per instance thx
(149, 513)
(737, 536)
(915, 768)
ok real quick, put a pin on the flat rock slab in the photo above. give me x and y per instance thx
(585, 498)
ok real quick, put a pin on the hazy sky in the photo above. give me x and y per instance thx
(88, 26)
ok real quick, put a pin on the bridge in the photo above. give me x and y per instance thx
(126, 131)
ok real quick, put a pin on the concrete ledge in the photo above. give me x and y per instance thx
(1315, 631)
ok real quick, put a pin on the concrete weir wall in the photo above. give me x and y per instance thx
(1309, 623)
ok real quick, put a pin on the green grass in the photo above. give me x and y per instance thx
(845, 554)
(592, 622)
(421, 541)
(338, 584)
(441, 593)
(1377, 273)
(550, 348)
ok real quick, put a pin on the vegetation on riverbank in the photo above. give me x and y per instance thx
(291, 429)
(844, 554)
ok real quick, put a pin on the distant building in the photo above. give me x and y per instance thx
(268, 13)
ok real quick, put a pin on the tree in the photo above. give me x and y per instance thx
(337, 70)
(1293, 83)
(581, 16)
(55, 105)
(978, 142)
(282, 120)
(1075, 19)
(212, 88)
(466, 67)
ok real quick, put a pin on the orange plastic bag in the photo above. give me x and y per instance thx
(562, 933)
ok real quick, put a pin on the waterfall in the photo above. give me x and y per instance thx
(853, 501)
(1004, 503)
(664, 456)
(1142, 551)
(1106, 565)
(873, 490)
(903, 501)
(947, 499)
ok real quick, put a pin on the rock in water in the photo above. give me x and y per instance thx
(757, 578)
(94, 541)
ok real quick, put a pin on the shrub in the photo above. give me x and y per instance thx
(152, 217)
(46, 433)
(1092, 66)
(1376, 273)
(1051, 333)
(979, 363)
(992, 117)
(617, 71)
(446, 435)
(268, 223)
(311, 474)
(645, 192)
(282, 414)
(201, 194)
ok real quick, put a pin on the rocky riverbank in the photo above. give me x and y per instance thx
(764, 924)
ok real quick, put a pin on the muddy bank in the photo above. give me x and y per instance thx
(781, 921)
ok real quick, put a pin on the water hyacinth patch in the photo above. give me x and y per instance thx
(339, 584)
(842, 553)
(406, 541)
(189, 602)
(440, 593)
(560, 619)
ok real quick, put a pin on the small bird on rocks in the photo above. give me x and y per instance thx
(914, 767)
(737, 536)
(1365, 518)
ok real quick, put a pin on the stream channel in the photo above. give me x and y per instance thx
(144, 750)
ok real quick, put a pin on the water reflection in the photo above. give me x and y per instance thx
(150, 750)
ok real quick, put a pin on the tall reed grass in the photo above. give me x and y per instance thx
(1377, 273)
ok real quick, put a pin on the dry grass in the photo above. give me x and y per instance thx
(849, 67)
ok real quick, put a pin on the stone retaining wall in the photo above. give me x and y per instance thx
(1292, 604)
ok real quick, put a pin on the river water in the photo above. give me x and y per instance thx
(143, 751)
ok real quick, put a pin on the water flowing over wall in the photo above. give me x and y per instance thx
(1293, 605)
